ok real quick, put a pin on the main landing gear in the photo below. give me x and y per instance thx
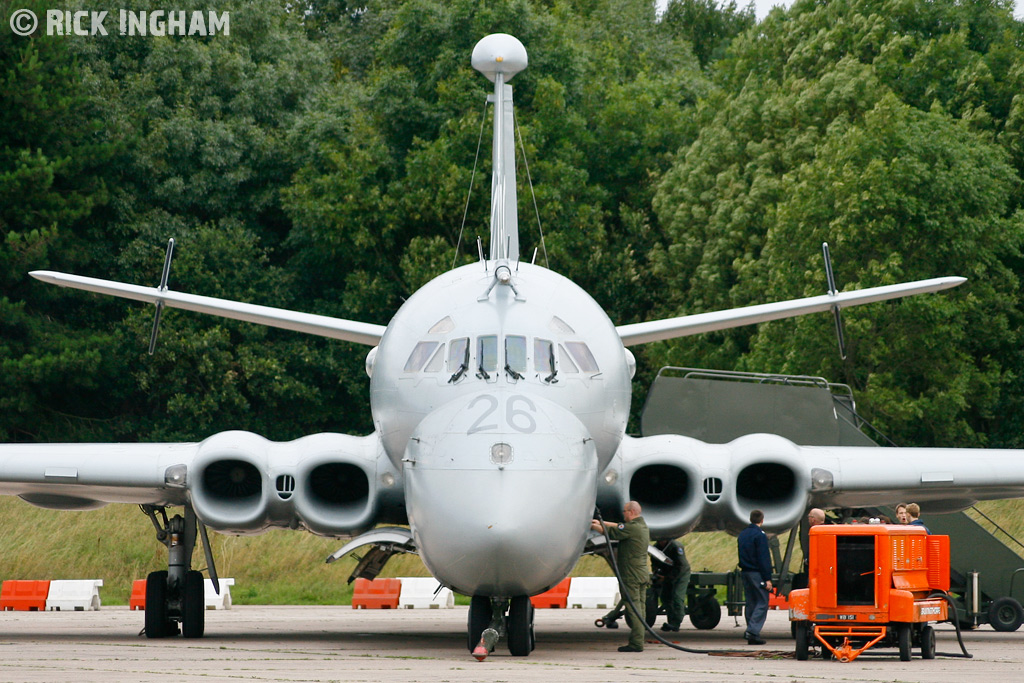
(489, 614)
(176, 596)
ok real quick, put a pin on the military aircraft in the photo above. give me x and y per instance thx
(499, 394)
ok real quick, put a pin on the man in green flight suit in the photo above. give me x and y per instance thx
(633, 538)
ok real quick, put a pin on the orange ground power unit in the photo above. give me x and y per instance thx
(868, 585)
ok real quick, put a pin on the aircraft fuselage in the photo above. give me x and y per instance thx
(501, 392)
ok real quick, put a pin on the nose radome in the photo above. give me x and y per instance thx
(500, 511)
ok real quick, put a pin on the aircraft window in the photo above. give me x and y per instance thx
(515, 353)
(487, 356)
(564, 361)
(543, 355)
(559, 325)
(584, 358)
(458, 359)
(515, 356)
(458, 353)
(437, 362)
(442, 326)
(419, 355)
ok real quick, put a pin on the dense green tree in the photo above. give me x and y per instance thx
(306, 161)
(912, 195)
(884, 117)
(52, 158)
(710, 26)
(320, 158)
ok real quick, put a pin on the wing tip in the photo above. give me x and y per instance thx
(46, 276)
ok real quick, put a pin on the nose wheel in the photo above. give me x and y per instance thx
(488, 614)
(521, 640)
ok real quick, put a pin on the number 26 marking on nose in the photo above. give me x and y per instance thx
(518, 419)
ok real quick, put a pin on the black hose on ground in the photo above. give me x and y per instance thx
(956, 625)
(636, 611)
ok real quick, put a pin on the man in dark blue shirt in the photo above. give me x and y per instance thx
(756, 567)
(914, 514)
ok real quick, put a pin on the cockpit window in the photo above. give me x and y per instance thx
(442, 326)
(487, 353)
(543, 355)
(436, 362)
(458, 354)
(583, 357)
(559, 325)
(515, 353)
(419, 355)
(565, 361)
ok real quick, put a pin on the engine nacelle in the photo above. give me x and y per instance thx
(651, 472)
(770, 474)
(330, 484)
(686, 485)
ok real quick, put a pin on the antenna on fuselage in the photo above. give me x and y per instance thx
(500, 57)
(480, 250)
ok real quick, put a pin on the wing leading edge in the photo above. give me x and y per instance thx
(683, 326)
(321, 325)
(65, 476)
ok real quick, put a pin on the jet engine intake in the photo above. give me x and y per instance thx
(233, 480)
(343, 486)
(665, 484)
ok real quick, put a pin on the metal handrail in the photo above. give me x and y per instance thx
(996, 525)
(738, 375)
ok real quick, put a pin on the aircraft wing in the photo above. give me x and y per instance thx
(235, 481)
(686, 325)
(86, 476)
(684, 484)
(321, 325)
(944, 479)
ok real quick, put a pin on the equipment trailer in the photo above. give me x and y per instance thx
(868, 585)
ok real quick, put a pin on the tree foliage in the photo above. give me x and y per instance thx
(320, 158)
(881, 128)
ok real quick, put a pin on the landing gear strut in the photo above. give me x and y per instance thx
(488, 614)
(176, 595)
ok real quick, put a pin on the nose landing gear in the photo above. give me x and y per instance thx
(487, 617)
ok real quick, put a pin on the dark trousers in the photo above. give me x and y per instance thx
(757, 602)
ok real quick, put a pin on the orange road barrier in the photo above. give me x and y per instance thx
(138, 598)
(376, 594)
(556, 598)
(26, 596)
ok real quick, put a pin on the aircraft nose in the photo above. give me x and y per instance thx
(500, 490)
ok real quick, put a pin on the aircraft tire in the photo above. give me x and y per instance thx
(193, 613)
(479, 619)
(706, 613)
(1005, 614)
(157, 623)
(520, 626)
